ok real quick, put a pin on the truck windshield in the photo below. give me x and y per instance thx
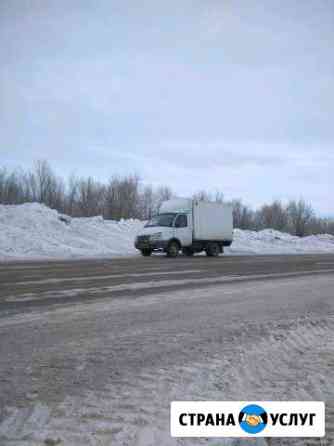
(161, 220)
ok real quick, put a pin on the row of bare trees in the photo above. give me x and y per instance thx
(296, 217)
(120, 197)
(127, 197)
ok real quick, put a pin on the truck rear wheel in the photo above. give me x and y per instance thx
(212, 250)
(187, 252)
(146, 252)
(173, 249)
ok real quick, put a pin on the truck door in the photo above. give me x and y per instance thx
(183, 230)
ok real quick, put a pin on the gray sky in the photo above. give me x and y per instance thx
(230, 95)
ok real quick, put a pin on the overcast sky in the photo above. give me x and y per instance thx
(230, 95)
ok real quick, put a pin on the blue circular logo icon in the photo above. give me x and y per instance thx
(253, 419)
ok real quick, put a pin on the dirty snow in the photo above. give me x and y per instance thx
(34, 231)
(248, 351)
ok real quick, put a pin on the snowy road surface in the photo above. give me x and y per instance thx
(92, 352)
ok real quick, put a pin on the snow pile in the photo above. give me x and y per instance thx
(33, 231)
(269, 241)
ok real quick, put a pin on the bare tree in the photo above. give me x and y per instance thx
(163, 193)
(300, 214)
(243, 217)
(122, 198)
(202, 195)
(43, 186)
(43, 179)
(90, 197)
(272, 216)
(72, 196)
(146, 203)
(11, 187)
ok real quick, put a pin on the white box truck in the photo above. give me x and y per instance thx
(188, 225)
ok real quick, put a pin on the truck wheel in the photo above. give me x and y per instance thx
(212, 250)
(173, 249)
(146, 252)
(187, 252)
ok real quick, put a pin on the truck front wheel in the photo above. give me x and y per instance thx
(173, 249)
(212, 250)
(146, 252)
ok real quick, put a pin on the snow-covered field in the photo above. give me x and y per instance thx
(33, 231)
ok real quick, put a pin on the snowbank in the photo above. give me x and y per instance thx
(33, 231)
(269, 241)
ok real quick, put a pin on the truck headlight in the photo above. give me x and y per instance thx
(156, 236)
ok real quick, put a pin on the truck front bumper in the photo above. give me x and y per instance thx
(153, 245)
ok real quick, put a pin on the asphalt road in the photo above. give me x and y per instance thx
(92, 352)
(37, 284)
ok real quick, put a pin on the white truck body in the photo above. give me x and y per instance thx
(191, 224)
(212, 221)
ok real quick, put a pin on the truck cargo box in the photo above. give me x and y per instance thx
(212, 221)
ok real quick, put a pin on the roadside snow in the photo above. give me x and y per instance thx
(269, 241)
(33, 231)
(252, 341)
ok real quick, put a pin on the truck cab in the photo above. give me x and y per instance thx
(164, 229)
